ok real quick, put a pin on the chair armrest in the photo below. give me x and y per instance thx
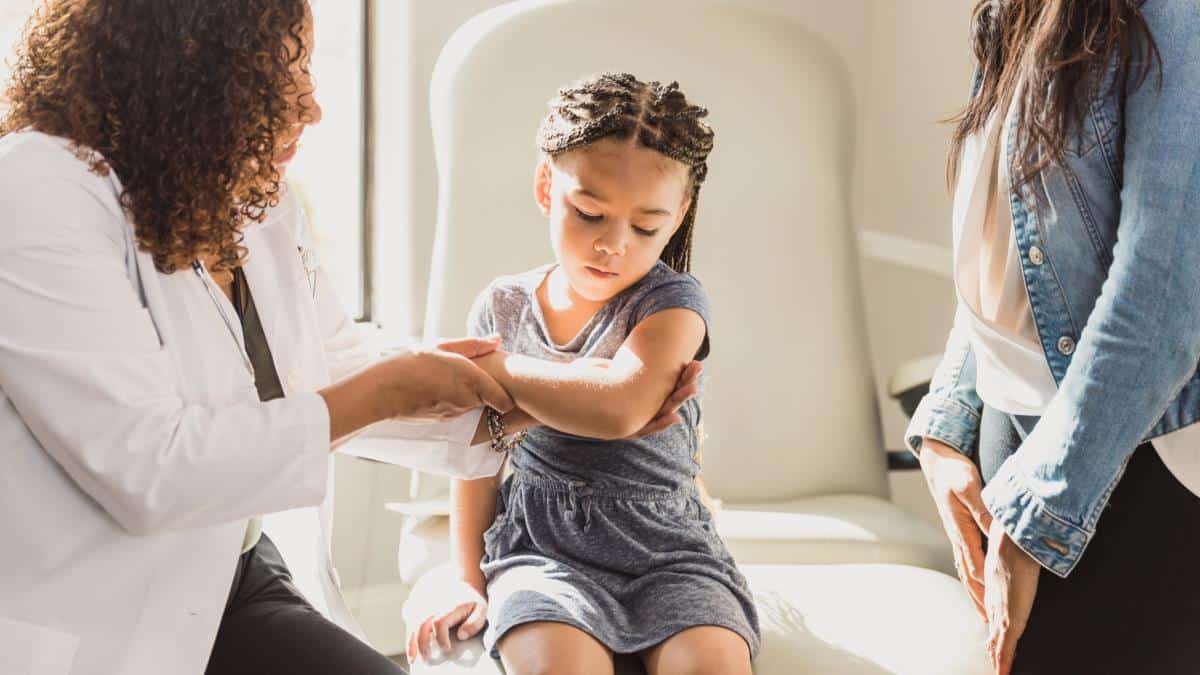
(422, 508)
(910, 381)
(902, 460)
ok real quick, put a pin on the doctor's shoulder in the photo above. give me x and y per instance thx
(51, 189)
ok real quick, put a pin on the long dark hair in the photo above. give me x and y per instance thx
(1060, 51)
(658, 116)
(184, 99)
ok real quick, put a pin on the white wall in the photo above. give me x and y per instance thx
(910, 64)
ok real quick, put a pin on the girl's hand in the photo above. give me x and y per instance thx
(956, 487)
(1011, 579)
(472, 348)
(465, 607)
(685, 388)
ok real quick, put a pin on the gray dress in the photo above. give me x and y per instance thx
(608, 536)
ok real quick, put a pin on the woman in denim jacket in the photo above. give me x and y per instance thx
(1069, 382)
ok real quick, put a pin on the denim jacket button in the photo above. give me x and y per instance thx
(1035, 255)
(1066, 345)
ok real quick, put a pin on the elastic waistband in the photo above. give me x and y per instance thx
(583, 488)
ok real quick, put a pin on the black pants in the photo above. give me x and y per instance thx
(269, 628)
(1132, 604)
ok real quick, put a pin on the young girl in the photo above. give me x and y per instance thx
(599, 544)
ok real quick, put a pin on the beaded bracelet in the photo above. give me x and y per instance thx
(495, 424)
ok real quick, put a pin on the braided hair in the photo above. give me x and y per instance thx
(655, 115)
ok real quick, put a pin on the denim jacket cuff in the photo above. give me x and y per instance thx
(1053, 542)
(946, 419)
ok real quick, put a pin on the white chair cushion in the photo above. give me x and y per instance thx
(814, 530)
(832, 529)
(826, 619)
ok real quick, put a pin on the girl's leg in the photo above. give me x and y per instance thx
(546, 647)
(703, 650)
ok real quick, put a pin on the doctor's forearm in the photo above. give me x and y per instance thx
(354, 403)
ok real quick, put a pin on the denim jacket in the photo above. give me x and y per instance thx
(1110, 251)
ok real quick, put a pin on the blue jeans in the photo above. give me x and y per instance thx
(1132, 604)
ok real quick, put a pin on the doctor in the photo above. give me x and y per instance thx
(173, 366)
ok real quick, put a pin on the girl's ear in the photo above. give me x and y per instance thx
(542, 182)
(683, 209)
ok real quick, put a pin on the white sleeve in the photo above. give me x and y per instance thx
(442, 448)
(434, 447)
(82, 364)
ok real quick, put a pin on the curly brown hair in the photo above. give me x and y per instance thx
(186, 100)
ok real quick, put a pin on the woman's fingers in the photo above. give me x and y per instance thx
(1010, 589)
(975, 591)
(1006, 649)
(972, 499)
(1001, 642)
(972, 585)
(971, 541)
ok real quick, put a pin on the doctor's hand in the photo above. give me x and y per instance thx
(957, 488)
(439, 384)
(423, 384)
(463, 606)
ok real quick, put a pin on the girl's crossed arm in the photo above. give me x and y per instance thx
(605, 398)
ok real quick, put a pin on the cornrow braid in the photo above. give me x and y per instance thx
(655, 115)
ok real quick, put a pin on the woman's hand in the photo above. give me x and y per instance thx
(956, 487)
(464, 607)
(444, 383)
(1010, 580)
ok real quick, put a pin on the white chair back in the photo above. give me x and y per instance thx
(790, 408)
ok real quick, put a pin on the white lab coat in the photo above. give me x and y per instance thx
(133, 446)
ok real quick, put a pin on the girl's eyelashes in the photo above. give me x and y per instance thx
(595, 218)
(589, 217)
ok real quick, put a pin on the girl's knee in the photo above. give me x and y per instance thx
(705, 650)
(728, 662)
(553, 649)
